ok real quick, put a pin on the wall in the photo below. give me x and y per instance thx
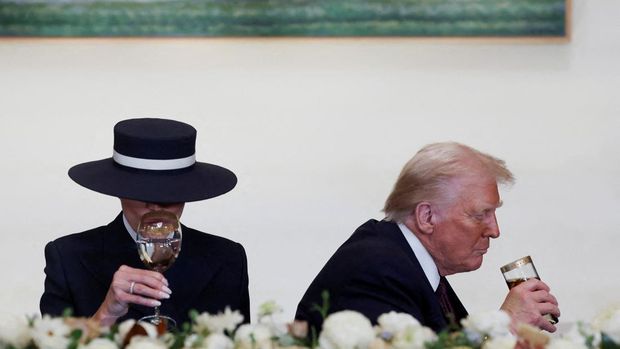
(317, 131)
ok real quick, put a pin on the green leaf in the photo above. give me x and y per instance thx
(68, 312)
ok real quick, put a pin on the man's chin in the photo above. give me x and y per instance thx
(475, 263)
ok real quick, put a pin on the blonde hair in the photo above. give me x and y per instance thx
(423, 178)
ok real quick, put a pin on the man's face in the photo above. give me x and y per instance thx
(464, 224)
(134, 210)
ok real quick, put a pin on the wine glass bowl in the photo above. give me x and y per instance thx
(159, 244)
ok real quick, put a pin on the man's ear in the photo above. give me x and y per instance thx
(422, 218)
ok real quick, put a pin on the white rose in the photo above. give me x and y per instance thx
(15, 331)
(565, 343)
(218, 341)
(394, 322)
(50, 333)
(228, 320)
(492, 324)
(142, 342)
(346, 330)
(413, 337)
(505, 342)
(253, 337)
(100, 343)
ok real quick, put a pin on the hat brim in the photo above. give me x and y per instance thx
(198, 182)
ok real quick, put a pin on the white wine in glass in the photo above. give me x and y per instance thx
(159, 244)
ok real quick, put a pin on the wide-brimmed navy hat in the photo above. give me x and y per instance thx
(154, 160)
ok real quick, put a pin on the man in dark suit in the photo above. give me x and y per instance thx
(440, 218)
(98, 273)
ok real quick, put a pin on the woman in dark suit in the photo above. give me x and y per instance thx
(98, 273)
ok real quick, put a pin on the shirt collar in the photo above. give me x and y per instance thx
(130, 230)
(426, 261)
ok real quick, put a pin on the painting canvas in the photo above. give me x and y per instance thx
(316, 18)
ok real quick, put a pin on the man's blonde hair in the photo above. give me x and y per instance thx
(424, 177)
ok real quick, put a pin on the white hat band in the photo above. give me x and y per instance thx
(154, 164)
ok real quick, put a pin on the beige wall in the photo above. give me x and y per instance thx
(317, 131)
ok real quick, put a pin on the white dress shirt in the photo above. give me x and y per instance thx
(425, 259)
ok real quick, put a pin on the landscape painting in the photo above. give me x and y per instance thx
(290, 18)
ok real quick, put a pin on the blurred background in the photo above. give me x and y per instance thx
(317, 131)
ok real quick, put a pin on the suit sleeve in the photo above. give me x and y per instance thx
(370, 288)
(56, 296)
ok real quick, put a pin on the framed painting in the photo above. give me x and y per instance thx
(288, 18)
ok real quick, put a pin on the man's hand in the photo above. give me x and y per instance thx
(147, 289)
(529, 302)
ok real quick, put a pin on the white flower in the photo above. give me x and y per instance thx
(228, 320)
(213, 341)
(253, 337)
(142, 342)
(605, 316)
(580, 334)
(275, 327)
(268, 315)
(413, 337)
(504, 342)
(50, 333)
(492, 324)
(346, 330)
(15, 331)
(269, 308)
(565, 343)
(403, 331)
(100, 343)
(192, 341)
(218, 341)
(394, 322)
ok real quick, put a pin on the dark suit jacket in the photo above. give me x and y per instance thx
(210, 273)
(374, 272)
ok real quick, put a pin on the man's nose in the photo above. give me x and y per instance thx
(492, 230)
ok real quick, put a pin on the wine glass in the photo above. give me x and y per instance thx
(159, 244)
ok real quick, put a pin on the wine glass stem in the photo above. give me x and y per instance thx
(157, 312)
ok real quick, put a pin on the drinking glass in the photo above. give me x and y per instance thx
(522, 270)
(159, 244)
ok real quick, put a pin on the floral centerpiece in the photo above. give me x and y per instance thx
(341, 330)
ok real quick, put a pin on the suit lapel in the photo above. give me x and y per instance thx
(190, 273)
(431, 308)
(114, 248)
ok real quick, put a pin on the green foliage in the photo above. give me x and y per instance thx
(74, 339)
(323, 310)
(447, 339)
